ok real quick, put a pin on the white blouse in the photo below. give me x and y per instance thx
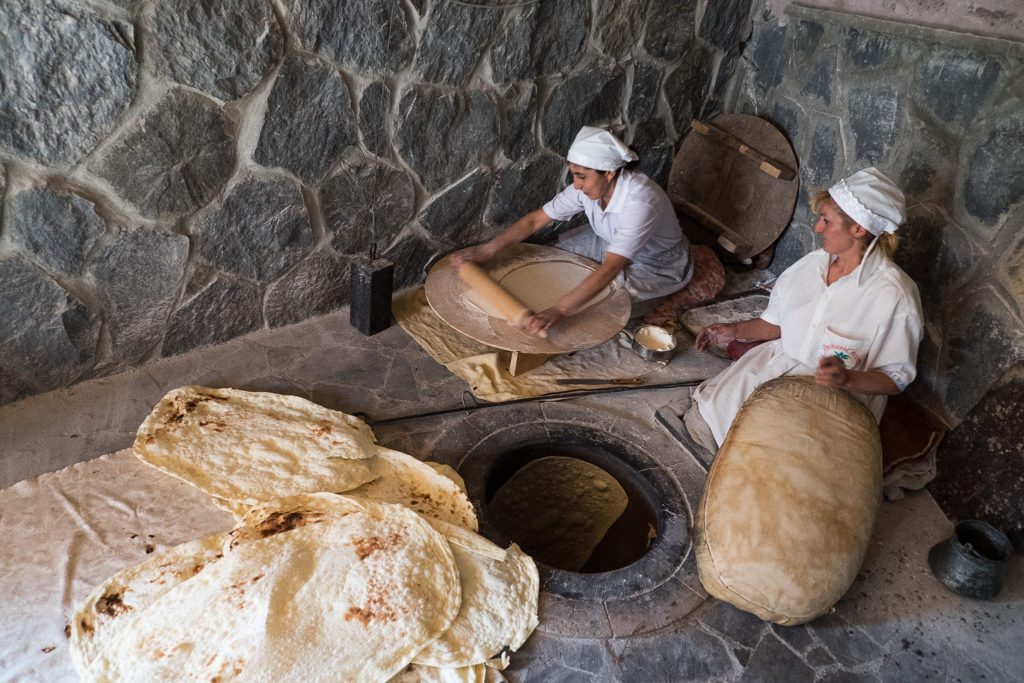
(870, 318)
(639, 222)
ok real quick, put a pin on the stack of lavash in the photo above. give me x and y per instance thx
(350, 562)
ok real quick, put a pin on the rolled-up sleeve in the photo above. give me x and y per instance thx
(896, 353)
(564, 205)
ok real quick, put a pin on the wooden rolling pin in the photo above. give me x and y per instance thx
(512, 309)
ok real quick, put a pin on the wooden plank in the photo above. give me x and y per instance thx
(766, 165)
(734, 242)
(518, 363)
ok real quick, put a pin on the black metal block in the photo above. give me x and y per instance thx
(370, 309)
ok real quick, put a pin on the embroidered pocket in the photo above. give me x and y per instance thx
(847, 349)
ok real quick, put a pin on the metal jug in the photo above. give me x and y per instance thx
(971, 561)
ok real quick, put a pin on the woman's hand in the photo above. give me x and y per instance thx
(481, 254)
(540, 322)
(719, 334)
(832, 372)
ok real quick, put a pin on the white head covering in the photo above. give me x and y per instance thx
(598, 149)
(872, 199)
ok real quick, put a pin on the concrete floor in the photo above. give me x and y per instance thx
(897, 623)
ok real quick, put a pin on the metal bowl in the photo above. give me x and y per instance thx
(654, 343)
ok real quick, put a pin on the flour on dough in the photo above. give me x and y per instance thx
(539, 285)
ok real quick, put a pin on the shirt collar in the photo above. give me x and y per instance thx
(868, 265)
(623, 185)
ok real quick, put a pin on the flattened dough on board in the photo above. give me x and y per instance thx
(539, 285)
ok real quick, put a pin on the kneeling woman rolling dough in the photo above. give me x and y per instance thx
(635, 234)
(844, 314)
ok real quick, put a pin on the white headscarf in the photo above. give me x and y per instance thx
(598, 149)
(871, 199)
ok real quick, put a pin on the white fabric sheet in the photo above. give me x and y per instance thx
(66, 532)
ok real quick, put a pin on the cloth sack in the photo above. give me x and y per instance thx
(790, 501)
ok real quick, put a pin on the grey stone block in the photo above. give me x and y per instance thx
(47, 335)
(317, 285)
(772, 661)
(453, 217)
(771, 49)
(366, 204)
(670, 28)
(735, 624)
(728, 25)
(593, 94)
(981, 471)
(798, 638)
(936, 254)
(442, 134)
(656, 163)
(818, 82)
(572, 617)
(173, 158)
(540, 39)
(677, 654)
(309, 119)
(369, 36)
(786, 115)
(955, 86)
(619, 22)
(847, 643)
(876, 112)
(525, 186)
(224, 48)
(807, 38)
(67, 77)
(662, 606)
(454, 41)
(56, 229)
(510, 56)
(410, 255)
(137, 274)
(868, 50)
(687, 85)
(374, 109)
(226, 308)
(643, 96)
(995, 169)
(551, 658)
(520, 121)
(984, 338)
(260, 229)
(819, 169)
(13, 388)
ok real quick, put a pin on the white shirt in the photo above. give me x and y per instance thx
(639, 222)
(870, 318)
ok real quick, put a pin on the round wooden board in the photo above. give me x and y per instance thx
(600, 322)
(730, 187)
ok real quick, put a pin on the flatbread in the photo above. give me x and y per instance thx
(401, 478)
(539, 285)
(117, 602)
(323, 589)
(559, 509)
(499, 603)
(245, 447)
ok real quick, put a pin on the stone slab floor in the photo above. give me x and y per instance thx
(897, 623)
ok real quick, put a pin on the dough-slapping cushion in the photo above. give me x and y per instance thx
(790, 502)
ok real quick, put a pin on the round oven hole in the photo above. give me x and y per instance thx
(560, 503)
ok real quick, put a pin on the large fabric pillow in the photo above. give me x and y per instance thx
(790, 501)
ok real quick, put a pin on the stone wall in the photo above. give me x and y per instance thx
(943, 114)
(181, 172)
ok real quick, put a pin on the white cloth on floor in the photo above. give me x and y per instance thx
(871, 319)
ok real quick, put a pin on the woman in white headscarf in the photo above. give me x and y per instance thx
(844, 314)
(634, 231)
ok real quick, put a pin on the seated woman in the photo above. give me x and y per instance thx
(844, 314)
(635, 234)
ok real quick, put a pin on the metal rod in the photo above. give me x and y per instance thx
(547, 397)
